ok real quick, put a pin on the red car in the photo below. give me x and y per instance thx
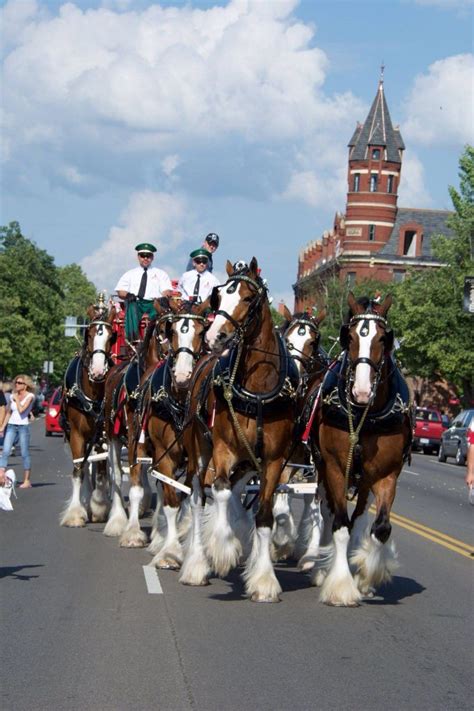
(51, 420)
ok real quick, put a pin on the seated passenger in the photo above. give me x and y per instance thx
(197, 283)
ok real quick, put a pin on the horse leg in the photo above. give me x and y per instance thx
(75, 514)
(158, 522)
(100, 502)
(133, 536)
(195, 569)
(309, 533)
(284, 529)
(222, 545)
(147, 493)
(376, 559)
(339, 587)
(117, 521)
(261, 583)
(170, 555)
(326, 547)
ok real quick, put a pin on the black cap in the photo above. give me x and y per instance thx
(212, 238)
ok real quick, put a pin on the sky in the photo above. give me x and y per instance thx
(127, 121)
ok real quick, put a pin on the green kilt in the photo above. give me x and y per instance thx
(133, 314)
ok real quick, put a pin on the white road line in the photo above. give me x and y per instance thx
(446, 464)
(409, 471)
(152, 580)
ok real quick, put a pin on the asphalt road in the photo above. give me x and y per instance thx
(80, 628)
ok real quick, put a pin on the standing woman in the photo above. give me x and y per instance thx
(17, 422)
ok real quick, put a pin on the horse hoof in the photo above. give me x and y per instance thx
(259, 597)
(167, 564)
(133, 539)
(338, 603)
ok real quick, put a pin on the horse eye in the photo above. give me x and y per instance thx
(248, 298)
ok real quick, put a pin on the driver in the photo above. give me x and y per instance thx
(139, 288)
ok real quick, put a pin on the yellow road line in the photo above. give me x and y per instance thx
(442, 539)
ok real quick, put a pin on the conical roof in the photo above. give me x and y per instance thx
(377, 130)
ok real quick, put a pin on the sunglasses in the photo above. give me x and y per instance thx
(145, 256)
(201, 261)
(20, 382)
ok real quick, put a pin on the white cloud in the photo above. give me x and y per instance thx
(160, 218)
(412, 184)
(440, 104)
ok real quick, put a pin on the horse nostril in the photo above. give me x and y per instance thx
(221, 336)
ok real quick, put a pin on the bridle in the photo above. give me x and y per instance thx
(173, 318)
(307, 361)
(91, 354)
(260, 292)
(352, 364)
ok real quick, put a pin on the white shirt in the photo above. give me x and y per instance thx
(17, 418)
(206, 284)
(158, 281)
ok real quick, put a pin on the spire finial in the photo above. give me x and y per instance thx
(382, 69)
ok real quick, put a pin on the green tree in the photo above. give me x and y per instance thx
(36, 296)
(437, 335)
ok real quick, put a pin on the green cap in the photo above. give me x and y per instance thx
(201, 252)
(145, 247)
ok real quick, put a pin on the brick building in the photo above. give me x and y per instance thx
(374, 238)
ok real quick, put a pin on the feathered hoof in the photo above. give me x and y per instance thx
(75, 518)
(340, 593)
(133, 538)
(318, 578)
(166, 563)
(261, 597)
(156, 544)
(115, 526)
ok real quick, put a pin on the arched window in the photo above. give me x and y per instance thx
(356, 184)
(373, 183)
(390, 184)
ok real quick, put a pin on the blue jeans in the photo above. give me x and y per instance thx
(23, 432)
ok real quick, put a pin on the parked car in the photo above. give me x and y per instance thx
(454, 440)
(429, 427)
(51, 420)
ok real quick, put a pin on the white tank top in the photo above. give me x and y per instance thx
(17, 418)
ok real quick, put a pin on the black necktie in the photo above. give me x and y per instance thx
(196, 288)
(142, 288)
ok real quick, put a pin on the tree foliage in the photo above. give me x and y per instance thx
(437, 335)
(36, 295)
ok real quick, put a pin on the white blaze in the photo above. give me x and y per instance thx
(98, 359)
(184, 363)
(228, 303)
(362, 386)
(298, 341)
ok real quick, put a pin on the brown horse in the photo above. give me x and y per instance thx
(163, 415)
(82, 409)
(363, 432)
(301, 332)
(122, 396)
(251, 408)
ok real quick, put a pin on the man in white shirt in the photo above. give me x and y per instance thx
(139, 288)
(197, 283)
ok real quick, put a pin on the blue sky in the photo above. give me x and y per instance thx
(129, 120)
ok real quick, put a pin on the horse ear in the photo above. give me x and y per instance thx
(353, 305)
(344, 337)
(229, 268)
(253, 266)
(161, 305)
(91, 311)
(383, 308)
(286, 313)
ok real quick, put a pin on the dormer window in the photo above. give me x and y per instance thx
(376, 154)
(356, 185)
(373, 183)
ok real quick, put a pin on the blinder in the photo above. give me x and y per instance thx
(344, 336)
(214, 298)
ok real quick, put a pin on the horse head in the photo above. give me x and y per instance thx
(302, 335)
(367, 340)
(183, 325)
(236, 304)
(98, 340)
